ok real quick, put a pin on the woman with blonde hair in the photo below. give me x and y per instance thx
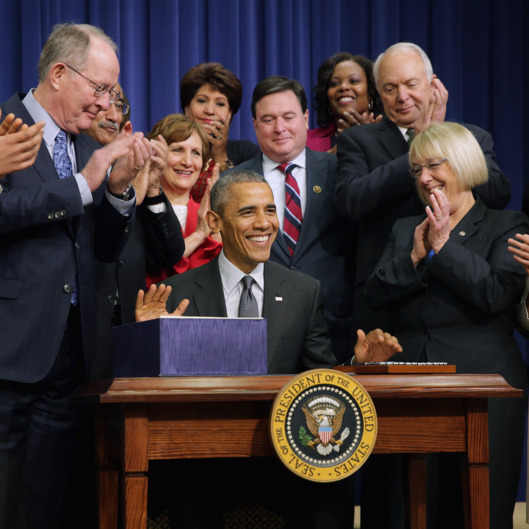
(453, 287)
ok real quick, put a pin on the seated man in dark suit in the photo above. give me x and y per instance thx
(243, 211)
(321, 245)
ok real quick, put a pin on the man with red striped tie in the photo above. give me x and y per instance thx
(313, 238)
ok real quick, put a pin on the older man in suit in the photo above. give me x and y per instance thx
(55, 217)
(374, 187)
(323, 239)
(243, 279)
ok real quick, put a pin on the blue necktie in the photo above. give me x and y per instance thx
(62, 161)
(63, 164)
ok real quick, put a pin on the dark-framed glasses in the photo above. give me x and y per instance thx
(100, 89)
(120, 105)
(416, 170)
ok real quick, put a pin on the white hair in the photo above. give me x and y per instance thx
(402, 48)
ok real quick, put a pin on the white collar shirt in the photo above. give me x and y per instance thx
(232, 287)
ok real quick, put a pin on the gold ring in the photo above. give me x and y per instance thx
(138, 168)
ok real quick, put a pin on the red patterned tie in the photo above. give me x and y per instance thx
(293, 215)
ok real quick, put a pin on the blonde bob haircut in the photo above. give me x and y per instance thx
(460, 148)
(175, 128)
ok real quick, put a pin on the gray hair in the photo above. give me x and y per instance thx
(69, 43)
(221, 191)
(402, 48)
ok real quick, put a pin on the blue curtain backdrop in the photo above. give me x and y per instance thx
(478, 49)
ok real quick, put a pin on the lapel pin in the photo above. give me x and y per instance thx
(316, 189)
(279, 298)
(462, 233)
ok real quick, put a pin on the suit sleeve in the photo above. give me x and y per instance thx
(36, 205)
(317, 345)
(112, 229)
(360, 191)
(496, 192)
(394, 277)
(491, 283)
(521, 309)
(164, 243)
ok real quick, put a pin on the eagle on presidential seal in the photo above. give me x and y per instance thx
(324, 416)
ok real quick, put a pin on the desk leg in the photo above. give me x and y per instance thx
(108, 492)
(107, 474)
(135, 467)
(135, 501)
(476, 478)
(417, 479)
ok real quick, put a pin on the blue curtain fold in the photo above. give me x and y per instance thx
(478, 49)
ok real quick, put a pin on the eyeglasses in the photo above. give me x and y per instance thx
(100, 89)
(121, 107)
(416, 170)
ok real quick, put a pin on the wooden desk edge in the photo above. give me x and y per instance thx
(234, 388)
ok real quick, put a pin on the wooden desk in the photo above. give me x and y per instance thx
(156, 417)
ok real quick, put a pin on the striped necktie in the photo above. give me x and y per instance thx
(293, 215)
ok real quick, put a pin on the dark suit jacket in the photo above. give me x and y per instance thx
(297, 333)
(325, 248)
(459, 307)
(47, 238)
(374, 189)
(155, 243)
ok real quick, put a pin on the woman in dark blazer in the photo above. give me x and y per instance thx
(453, 287)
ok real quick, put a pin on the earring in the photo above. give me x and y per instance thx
(370, 106)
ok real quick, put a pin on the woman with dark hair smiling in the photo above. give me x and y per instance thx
(345, 95)
(211, 95)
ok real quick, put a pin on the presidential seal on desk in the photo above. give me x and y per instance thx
(323, 425)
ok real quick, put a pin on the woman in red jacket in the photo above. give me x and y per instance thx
(188, 151)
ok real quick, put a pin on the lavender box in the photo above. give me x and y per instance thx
(190, 346)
